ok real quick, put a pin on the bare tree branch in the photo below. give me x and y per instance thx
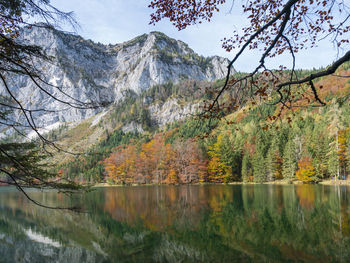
(320, 74)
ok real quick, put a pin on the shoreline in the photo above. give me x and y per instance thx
(277, 182)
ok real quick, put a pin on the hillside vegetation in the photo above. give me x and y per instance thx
(309, 144)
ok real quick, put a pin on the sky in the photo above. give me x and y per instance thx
(116, 21)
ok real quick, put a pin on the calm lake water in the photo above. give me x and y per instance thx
(208, 223)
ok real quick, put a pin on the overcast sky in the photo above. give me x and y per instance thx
(116, 21)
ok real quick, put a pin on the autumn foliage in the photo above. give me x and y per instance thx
(157, 162)
(306, 171)
(306, 144)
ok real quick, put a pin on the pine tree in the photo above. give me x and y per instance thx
(220, 164)
(320, 158)
(274, 162)
(230, 157)
(259, 166)
(246, 168)
(335, 125)
(289, 160)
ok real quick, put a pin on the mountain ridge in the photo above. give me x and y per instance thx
(94, 72)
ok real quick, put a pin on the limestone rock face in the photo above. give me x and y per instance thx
(171, 111)
(93, 72)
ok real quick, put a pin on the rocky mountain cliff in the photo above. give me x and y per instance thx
(90, 71)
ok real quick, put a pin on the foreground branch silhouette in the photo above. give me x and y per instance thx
(23, 162)
(275, 27)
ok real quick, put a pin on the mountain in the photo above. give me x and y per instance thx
(93, 72)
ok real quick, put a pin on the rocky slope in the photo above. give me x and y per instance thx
(90, 71)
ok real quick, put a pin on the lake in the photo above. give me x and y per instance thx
(189, 223)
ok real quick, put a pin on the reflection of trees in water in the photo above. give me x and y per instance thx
(306, 195)
(271, 222)
(303, 230)
(161, 206)
(158, 207)
(188, 223)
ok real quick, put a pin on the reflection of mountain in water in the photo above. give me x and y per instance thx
(20, 243)
(25, 250)
(211, 223)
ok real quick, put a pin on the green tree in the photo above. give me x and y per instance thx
(320, 157)
(274, 162)
(230, 156)
(289, 159)
(259, 166)
(247, 174)
(220, 164)
(334, 127)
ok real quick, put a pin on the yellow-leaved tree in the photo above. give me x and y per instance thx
(306, 171)
(218, 170)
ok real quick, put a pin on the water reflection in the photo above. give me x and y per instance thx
(208, 223)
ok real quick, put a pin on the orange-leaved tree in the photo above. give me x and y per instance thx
(157, 162)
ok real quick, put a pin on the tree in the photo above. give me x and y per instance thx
(289, 159)
(188, 161)
(21, 161)
(319, 148)
(276, 27)
(259, 166)
(274, 162)
(335, 126)
(306, 171)
(221, 161)
(231, 157)
(246, 168)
